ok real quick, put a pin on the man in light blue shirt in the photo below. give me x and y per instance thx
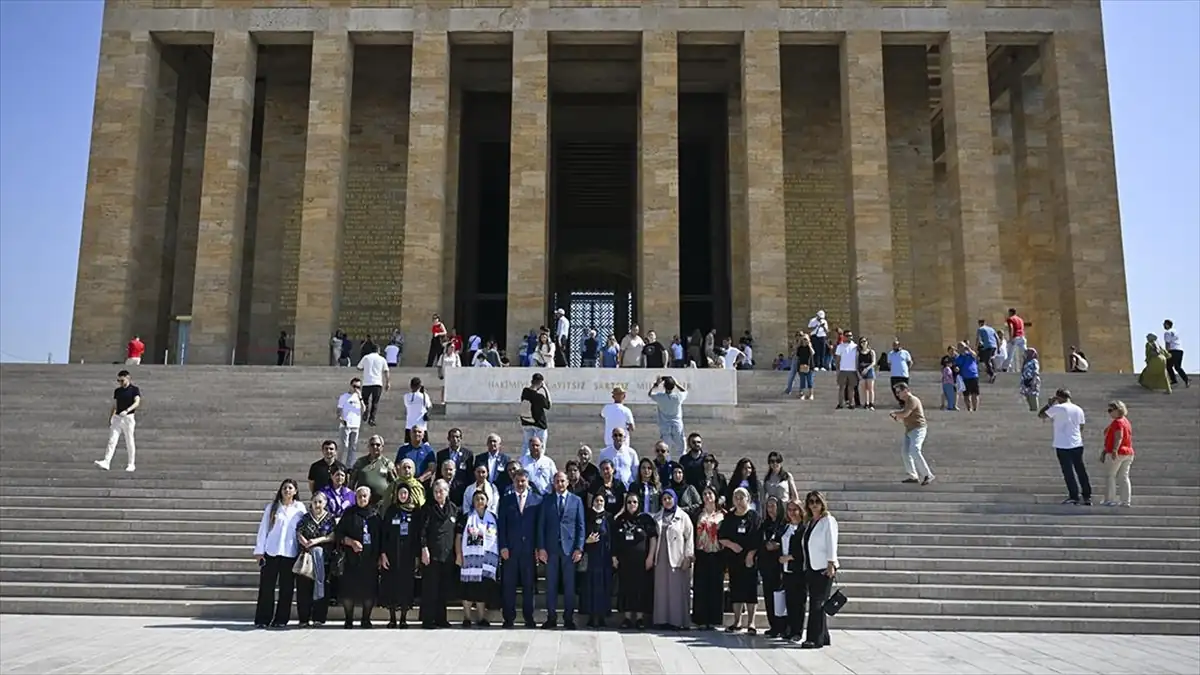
(989, 341)
(670, 412)
(539, 467)
(899, 361)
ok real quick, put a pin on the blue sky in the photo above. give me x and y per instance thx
(48, 53)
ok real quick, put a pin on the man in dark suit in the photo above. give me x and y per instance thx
(560, 545)
(464, 461)
(494, 459)
(516, 536)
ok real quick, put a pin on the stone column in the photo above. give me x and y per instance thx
(763, 123)
(658, 186)
(739, 244)
(425, 206)
(1010, 243)
(217, 290)
(1091, 259)
(321, 224)
(114, 209)
(971, 176)
(527, 189)
(868, 204)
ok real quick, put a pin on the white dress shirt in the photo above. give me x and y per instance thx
(280, 539)
(541, 472)
(823, 544)
(624, 461)
(563, 328)
(469, 497)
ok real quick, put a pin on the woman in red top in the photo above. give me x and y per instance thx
(435, 341)
(1118, 453)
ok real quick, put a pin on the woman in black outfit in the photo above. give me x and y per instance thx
(708, 580)
(634, 542)
(358, 532)
(768, 561)
(612, 489)
(315, 531)
(744, 476)
(398, 559)
(741, 535)
(714, 479)
(820, 552)
(438, 519)
(689, 498)
(598, 577)
(792, 565)
(646, 486)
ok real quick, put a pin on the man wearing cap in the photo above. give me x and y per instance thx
(617, 415)
(562, 331)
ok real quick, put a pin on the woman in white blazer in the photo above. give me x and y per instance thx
(820, 549)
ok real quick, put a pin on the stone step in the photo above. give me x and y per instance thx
(1003, 553)
(80, 514)
(1052, 566)
(1008, 593)
(896, 578)
(997, 608)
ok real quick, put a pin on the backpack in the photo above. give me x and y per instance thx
(882, 363)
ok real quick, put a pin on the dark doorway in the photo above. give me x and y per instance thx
(704, 275)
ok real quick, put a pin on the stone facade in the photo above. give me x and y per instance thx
(909, 167)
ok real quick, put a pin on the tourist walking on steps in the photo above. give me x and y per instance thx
(804, 362)
(1154, 375)
(968, 368)
(899, 363)
(127, 398)
(988, 342)
(375, 381)
(1068, 420)
(275, 549)
(1016, 341)
(949, 388)
(1174, 354)
(1118, 454)
(134, 351)
(416, 407)
(1031, 379)
(617, 415)
(915, 428)
(437, 332)
(562, 338)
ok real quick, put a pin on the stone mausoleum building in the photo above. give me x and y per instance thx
(907, 166)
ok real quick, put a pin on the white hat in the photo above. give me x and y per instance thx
(560, 310)
(820, 314)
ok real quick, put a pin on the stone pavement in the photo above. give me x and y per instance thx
(75, 644)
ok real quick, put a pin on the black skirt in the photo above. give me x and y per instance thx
(743, 581)
(708, 590)
(360, 581)
(635, 585)
(397, 585)
(485, 591)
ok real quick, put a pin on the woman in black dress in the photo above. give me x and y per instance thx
(635, 541)
(612, 489)
(741, 535)
(315, 531)
(438, 522)
(358, 532)
(792, 565)
(689, 498)
(773, 525)
(598, 577)
(398, 557)
(744, 476)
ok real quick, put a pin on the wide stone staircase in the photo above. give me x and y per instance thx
(985, 547)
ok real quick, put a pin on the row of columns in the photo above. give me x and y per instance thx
(115, 199)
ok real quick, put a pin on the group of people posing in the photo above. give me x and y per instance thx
(653, 542)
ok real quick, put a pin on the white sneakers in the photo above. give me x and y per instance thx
(104, 465)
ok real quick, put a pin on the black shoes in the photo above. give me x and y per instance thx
(549, 624)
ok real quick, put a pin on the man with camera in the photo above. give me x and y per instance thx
(670, 411)
(1068, 420)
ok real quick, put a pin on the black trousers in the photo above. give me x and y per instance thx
(1175, 365)
(276, 570)
(985, 355)
(708, 590)
(818, 592)
(435, 349)
(797, 600)
(770, 572)
(895, 381)
(370, 396)
(562, 353)
(1070, 460)
(308, 609)
(436, 580)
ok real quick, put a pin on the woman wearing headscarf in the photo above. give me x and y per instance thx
(358, 533)
(689, 498)
(792, 565)
(647, 486)
(767, 559)
(1154, 375)
(276, 549)
(438, 522)
(477, 553)
(673, 564)
(1031, 379)
(314, 533)
(741, 535)
(598, 577)
(708, 603)
(398, 555)
(634, 546)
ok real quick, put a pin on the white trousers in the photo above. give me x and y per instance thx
(120, 425)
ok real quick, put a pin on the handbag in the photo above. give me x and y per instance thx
(779, 598)
(836, 601)
(337, 562)
(304, 565)
(583, 563)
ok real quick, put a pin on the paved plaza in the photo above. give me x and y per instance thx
(71, 644)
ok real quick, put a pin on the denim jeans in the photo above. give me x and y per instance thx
(806, 381)
(532, 432)
(792, 375)
(914, 460)
(350, 443)
(1070, 460)
(1016, 355)
(951, 394)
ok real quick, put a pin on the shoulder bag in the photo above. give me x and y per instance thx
(836, 601)
(304, 565)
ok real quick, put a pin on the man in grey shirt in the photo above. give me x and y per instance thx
(670, 411)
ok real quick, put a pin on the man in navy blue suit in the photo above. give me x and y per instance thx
(516, 536)
(494, 459)
(560, 546)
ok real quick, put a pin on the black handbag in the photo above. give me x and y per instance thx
(337, 562)
(836, 601)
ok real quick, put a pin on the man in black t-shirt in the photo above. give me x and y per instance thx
(591, 350)
(126, 400)
(654, 354)
(535, 401)
(321, 472)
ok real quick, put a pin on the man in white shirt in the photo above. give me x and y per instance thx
(631, 348)
(391, 353)
(481, 483)
(847, 377)
(539, 467)
(350, 411)
(1068, 420)
(730, 355)
(624, 458)
(617, 415)
(1175, 351)
(562, 337)
(747, 356)
(416, 407)
(818, 330)
(375, 381)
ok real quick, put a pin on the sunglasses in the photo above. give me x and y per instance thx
(811, 502)
(376, 445)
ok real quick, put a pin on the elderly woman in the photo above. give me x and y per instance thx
(673, 564)
(438, 521)
(358, 533)
(1118, 454)
(276, 549)
(314, 533)
(597, 577)
(634, 548)
(338, 497)
(821, 556)
(1031, 379)
(708, 606)
(1154, 375)
(477, 554)
(398, 552)
(741, 535)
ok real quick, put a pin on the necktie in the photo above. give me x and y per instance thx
(562, 503)
(521, 502)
